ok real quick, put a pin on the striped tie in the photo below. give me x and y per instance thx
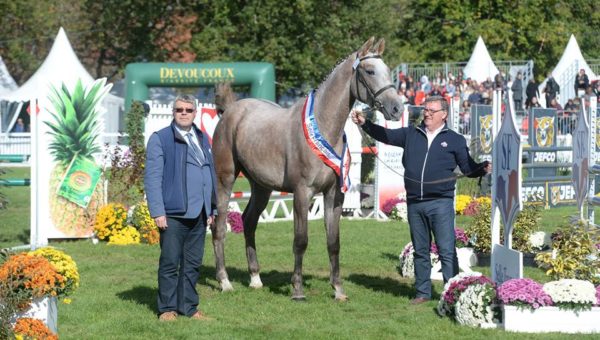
(197, 152)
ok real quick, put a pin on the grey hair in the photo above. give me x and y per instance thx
(443, 102)
(186, 98)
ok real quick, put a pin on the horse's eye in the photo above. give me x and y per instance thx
(371, 72)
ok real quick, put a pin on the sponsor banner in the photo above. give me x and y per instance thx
(482, 135)
(389, 169)
(561, 193)
(548, 194)
(544, 130)
(80, 181)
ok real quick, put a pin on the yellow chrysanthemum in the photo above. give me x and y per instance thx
(462, 201)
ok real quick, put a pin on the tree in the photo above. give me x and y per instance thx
(303, 39)
(537, 29)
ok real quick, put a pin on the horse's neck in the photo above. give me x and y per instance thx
(333, 101)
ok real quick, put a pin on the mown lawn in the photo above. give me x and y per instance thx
(117, 297)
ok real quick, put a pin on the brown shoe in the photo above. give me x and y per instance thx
(201, 317)
(419, 300)
(168, 316)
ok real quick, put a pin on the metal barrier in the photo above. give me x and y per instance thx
(16, 182)
(594, 65)
(14, 158)
(279, 210)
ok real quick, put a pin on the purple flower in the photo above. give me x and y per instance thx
(523, 292)
(234, 219)
(462, 240)
(598, 295)
(389, 205)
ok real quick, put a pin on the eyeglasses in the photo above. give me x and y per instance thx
(180, 110)
(431, 111)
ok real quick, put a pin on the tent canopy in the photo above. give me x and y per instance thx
(7, 83)
(480, 65)
(61, 65)
(566, 70)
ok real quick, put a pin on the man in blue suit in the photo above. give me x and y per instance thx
(180, 188)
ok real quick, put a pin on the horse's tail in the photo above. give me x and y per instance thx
(224, 97)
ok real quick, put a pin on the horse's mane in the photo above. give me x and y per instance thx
(224, 97)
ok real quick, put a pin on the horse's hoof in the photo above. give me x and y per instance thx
(226, 286)
(255, 282)
(341, 297)
(299, 298)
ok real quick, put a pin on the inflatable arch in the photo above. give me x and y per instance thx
(139, 76)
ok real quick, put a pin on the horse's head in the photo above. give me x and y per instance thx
(372, 83)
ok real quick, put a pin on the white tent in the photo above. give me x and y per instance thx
(7, 83)
(480, 65)
(566, 70)
(62, 66)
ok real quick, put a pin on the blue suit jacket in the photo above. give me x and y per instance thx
(175, 183)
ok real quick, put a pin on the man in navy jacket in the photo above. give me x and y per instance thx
(431, 154)
(180, 189)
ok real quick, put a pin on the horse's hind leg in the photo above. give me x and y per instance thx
(258, 202)
(333, 201)
(226, 174)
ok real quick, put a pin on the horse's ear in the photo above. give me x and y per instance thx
(379, 47)
(366, 47)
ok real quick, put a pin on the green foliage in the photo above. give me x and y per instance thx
(480, 230)
(538, 29)
(303, 39)
(574, 254)
(126, 175)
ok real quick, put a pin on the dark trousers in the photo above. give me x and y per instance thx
(181, 252)
(427, 218)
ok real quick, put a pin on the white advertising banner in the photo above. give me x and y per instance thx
(389, 171)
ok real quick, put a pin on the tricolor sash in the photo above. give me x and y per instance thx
(321, 148)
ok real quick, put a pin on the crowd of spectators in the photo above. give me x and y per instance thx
(415, 91)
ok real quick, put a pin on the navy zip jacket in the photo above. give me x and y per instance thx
(423, 164)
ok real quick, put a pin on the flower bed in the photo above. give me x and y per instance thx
(30, 284)
(565, 305)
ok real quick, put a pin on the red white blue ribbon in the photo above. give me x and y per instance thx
(321, 148)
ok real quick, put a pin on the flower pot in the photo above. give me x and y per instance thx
(484, 260)
(466, 258)
(44, 309)
(550, 319)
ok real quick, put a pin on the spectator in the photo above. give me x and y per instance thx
(499, 83)
(450, 89)
(465, 117)
(410, 83)
(425, 85)
(570, 107)
(582, 82)
(487, 84)
(531, 91)
(410, 96)
(475, 97)
(19, 125)
(517, 91)
(551, 90)
(534, 103)
(436, 91)
(486, 98)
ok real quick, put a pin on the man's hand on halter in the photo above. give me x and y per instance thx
(357, 117)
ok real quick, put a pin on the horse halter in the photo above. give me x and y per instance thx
(371, 95)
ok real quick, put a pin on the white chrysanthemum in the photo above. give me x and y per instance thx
(442, 307)
(473, 307)
(571, 291)
(407, 260)
(539, 240)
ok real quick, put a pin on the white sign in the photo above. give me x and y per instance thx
(389, 172)
(506, 264)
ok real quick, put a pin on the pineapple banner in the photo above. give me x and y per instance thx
(66, 146)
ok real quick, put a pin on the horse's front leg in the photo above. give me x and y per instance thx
(333, 200)
(301, 204)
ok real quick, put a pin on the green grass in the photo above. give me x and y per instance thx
(117, 297)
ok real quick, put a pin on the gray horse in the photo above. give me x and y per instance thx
(267, 144)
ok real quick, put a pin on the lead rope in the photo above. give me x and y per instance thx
(442, 180)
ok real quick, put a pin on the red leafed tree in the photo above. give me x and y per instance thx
(175, 37)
